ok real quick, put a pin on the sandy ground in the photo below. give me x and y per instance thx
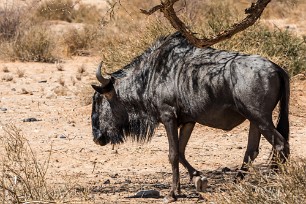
(57, 99)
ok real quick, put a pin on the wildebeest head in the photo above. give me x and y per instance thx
(108, 115)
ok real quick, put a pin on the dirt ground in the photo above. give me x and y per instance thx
(55, 94)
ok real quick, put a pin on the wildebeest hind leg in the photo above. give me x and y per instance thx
(252, 149)
(279, 143)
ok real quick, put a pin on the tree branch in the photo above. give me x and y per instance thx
(166, 7)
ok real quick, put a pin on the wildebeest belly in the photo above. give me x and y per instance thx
(225, 119)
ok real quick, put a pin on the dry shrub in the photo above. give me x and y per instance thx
(119, 48)
(79, 41)
(85, 93)
(24, 178)
(34, 44)
(67, 10)
(208, 18)
(261, 187)
(56, 10)
(281, 46)
(10, 19)
(87, 14)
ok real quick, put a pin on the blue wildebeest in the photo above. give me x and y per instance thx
(178, 85)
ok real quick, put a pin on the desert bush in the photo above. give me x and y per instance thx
(268, 187)
(34, 44)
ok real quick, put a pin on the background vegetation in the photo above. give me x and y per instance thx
(29, 33)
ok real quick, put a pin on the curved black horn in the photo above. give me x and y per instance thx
(99, 76)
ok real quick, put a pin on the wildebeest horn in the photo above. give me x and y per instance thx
(99, 76)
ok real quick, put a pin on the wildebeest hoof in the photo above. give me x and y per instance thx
(240, 176)
(169, 199)
(200, 183)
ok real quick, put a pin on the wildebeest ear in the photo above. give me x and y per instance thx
(104, 89)
(98, 89)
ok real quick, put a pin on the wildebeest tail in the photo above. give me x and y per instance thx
(283, 120)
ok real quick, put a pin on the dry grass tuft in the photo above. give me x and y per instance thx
(268, 187)
(81, 69)
(24, 177)
(59, 66)
(20, 73)
(61, 81)
(7, 77)
(5, 69)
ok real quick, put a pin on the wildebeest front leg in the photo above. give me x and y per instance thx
(200, 181)
(185, 133)
(252, 149)
(172, 134)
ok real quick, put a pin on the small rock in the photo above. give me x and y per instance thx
(3, 109)
(51, 95)
(146, 194)
(43, 81)
(226, 169)
(128, 181)
(62, 136)
(201, 183)
(115, 151)
(30, 120)
(114, 176)
(106, 182)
